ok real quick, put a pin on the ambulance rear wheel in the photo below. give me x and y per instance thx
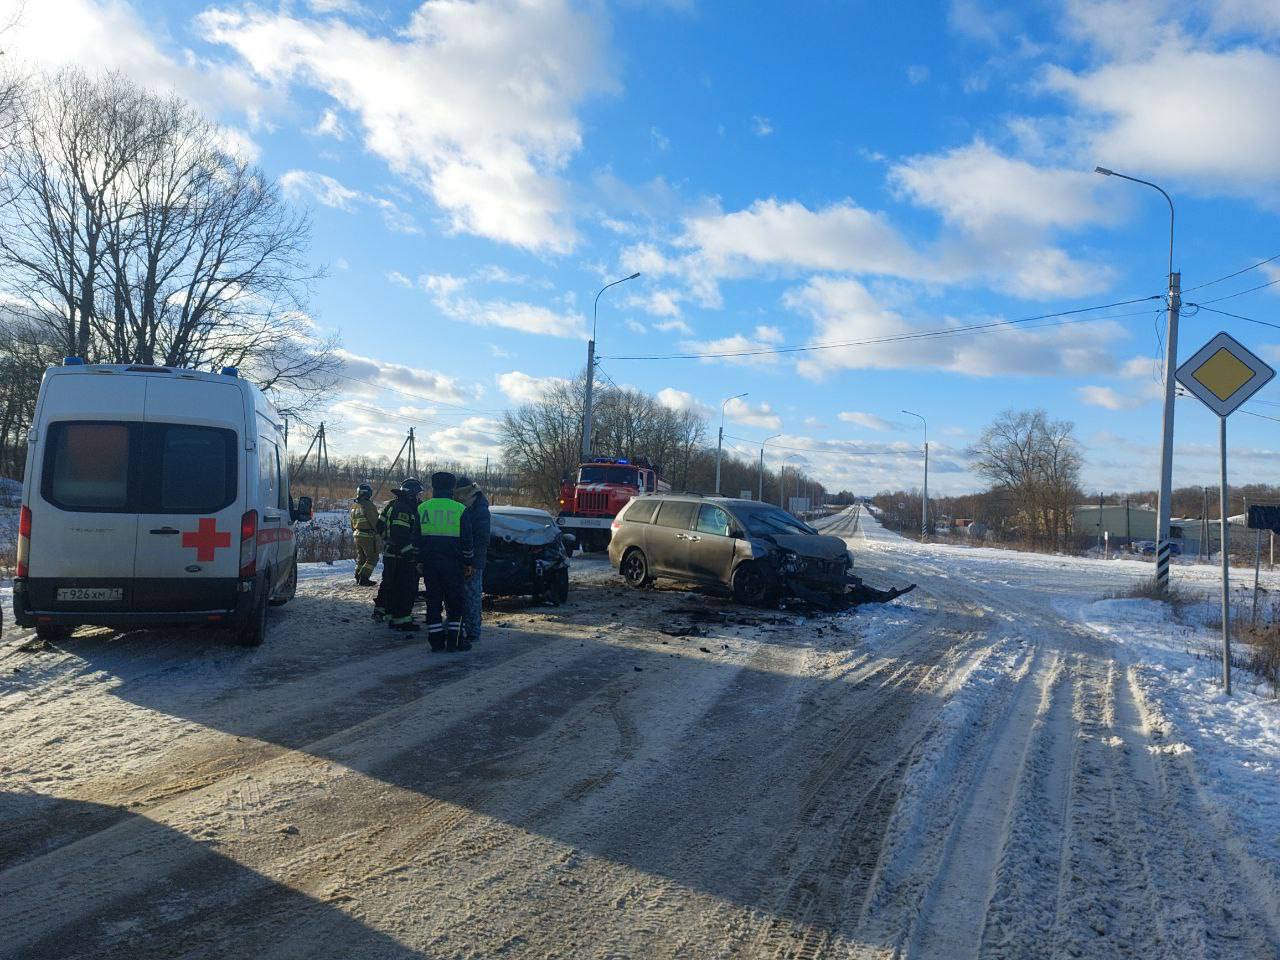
(254, 630)
(53, 632)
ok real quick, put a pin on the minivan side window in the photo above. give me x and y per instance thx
(196, 468)
(87, 466)
(713, 520)
(268, 475)
(282, 483)
(640, 511)
(676, 513)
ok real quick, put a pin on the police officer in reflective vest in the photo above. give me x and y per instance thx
(445, 552)
(364, 530)
(398, 526)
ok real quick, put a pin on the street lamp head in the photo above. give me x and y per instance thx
(634, 275)
(1104, 171)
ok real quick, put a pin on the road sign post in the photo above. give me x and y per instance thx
(1223, 374)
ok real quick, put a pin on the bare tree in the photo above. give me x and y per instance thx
(137, 238)
(1037, 461)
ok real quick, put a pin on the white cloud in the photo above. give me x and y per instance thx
(475, 102)
(105, 35)
(660, 140)
(976, 186)
(635, 326)
(330, 192)
(674, 326)
(1108, 398)
(868, 420)
(772, 235)
(917, 73)
(739, 410)
(842, 236)
(761, 126)
(514, 315)
(329, 125)
(1212, 115)
(754, 350)
(843, 310)
(369, 375)
(399, 279)
(522, 388)
(682, 400)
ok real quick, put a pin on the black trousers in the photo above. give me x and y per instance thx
(443, 576)
(398, 588)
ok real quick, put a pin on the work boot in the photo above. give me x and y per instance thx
(437, 642)
(366, 582)
(378, 615)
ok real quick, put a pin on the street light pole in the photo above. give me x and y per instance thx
(720, 437)
(760, 493)
(1165, 503)
(591, 368)
(924, 506)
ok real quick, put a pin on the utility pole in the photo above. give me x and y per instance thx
(591, 368)
(1164, 504)
(924, 503)
(760, 494)
(720, 437)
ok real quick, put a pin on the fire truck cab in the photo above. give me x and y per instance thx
(602, 487)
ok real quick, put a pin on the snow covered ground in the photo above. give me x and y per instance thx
(1001, 764)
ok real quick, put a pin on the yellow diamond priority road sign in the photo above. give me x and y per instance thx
(1224, 374)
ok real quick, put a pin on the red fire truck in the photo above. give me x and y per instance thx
(602, 487)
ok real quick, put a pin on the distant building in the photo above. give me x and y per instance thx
(1137, 522)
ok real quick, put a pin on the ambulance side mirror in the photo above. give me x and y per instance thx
(302, 511)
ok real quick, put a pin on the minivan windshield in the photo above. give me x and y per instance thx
(770, 521)
(603, 473)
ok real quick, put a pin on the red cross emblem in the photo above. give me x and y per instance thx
(207, 539)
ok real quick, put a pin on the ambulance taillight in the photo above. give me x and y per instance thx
(24, 541)
(249, 543)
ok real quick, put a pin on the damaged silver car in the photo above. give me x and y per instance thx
(759, 552)
(527, 555)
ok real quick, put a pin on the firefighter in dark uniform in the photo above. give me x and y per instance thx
(364, 530)
(398, 526)
(445, 551)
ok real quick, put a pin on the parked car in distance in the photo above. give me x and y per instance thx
(1147, 548)
(756, 550)
(528, 554)
(154, 496)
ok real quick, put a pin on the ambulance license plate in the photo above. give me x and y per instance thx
(89, 594)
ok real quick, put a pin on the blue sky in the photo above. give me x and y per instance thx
(781, 175)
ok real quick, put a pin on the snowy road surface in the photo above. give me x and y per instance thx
(986, 768)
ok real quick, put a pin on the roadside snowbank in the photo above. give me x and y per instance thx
(1233, 741)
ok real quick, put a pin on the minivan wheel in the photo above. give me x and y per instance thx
(290, 588)
(255, 630)
(752, 585)
(559, 591)
(53, 632)
(635, 568)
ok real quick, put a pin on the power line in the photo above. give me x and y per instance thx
(914, 335)
(1255, 266)
(1241, 293)
(1237, 316)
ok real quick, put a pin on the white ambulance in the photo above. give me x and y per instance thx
(154, 496)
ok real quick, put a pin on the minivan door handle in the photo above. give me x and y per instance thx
(166, 531)
(271, 518)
